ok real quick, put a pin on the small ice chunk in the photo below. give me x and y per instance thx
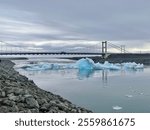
(141, 93)
(117, 108)
(129, 96)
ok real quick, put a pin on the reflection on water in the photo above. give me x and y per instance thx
(99, 90)
(84, 74)
(105, 77)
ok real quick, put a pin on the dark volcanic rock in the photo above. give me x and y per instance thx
(18, 94)
(31, 102)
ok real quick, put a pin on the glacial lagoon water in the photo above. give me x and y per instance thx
(99, 90)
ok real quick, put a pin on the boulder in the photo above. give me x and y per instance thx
(14, 98)
(31, 102)
(8, 102)
(3, 109)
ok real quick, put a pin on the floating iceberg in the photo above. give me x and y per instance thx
(40, 67)
(83, 64)
(87, 64)
(129, 96)
(132, 65)
(107, 65)
(117, 108)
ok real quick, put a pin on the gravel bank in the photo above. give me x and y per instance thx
(19, 94)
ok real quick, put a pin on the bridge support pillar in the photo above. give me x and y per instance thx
(123, 48)
(104, 49)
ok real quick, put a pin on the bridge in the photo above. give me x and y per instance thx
(101, 49)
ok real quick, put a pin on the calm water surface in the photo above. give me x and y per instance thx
(99, 91)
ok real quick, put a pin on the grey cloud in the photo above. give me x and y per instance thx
(127, 21)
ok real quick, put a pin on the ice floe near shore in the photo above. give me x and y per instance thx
(83, 64)
(117, 108)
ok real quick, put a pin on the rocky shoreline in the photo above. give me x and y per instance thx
(18, 94)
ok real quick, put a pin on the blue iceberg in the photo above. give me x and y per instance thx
(87, 64)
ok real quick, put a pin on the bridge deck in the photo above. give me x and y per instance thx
(48, 53)
(68, 53)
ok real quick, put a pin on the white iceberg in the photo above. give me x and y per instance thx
(40, 67)
(117, 108)
(132, 65)
(129, 96)
(107, 65)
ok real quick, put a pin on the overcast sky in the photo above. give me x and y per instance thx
(75, 23)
